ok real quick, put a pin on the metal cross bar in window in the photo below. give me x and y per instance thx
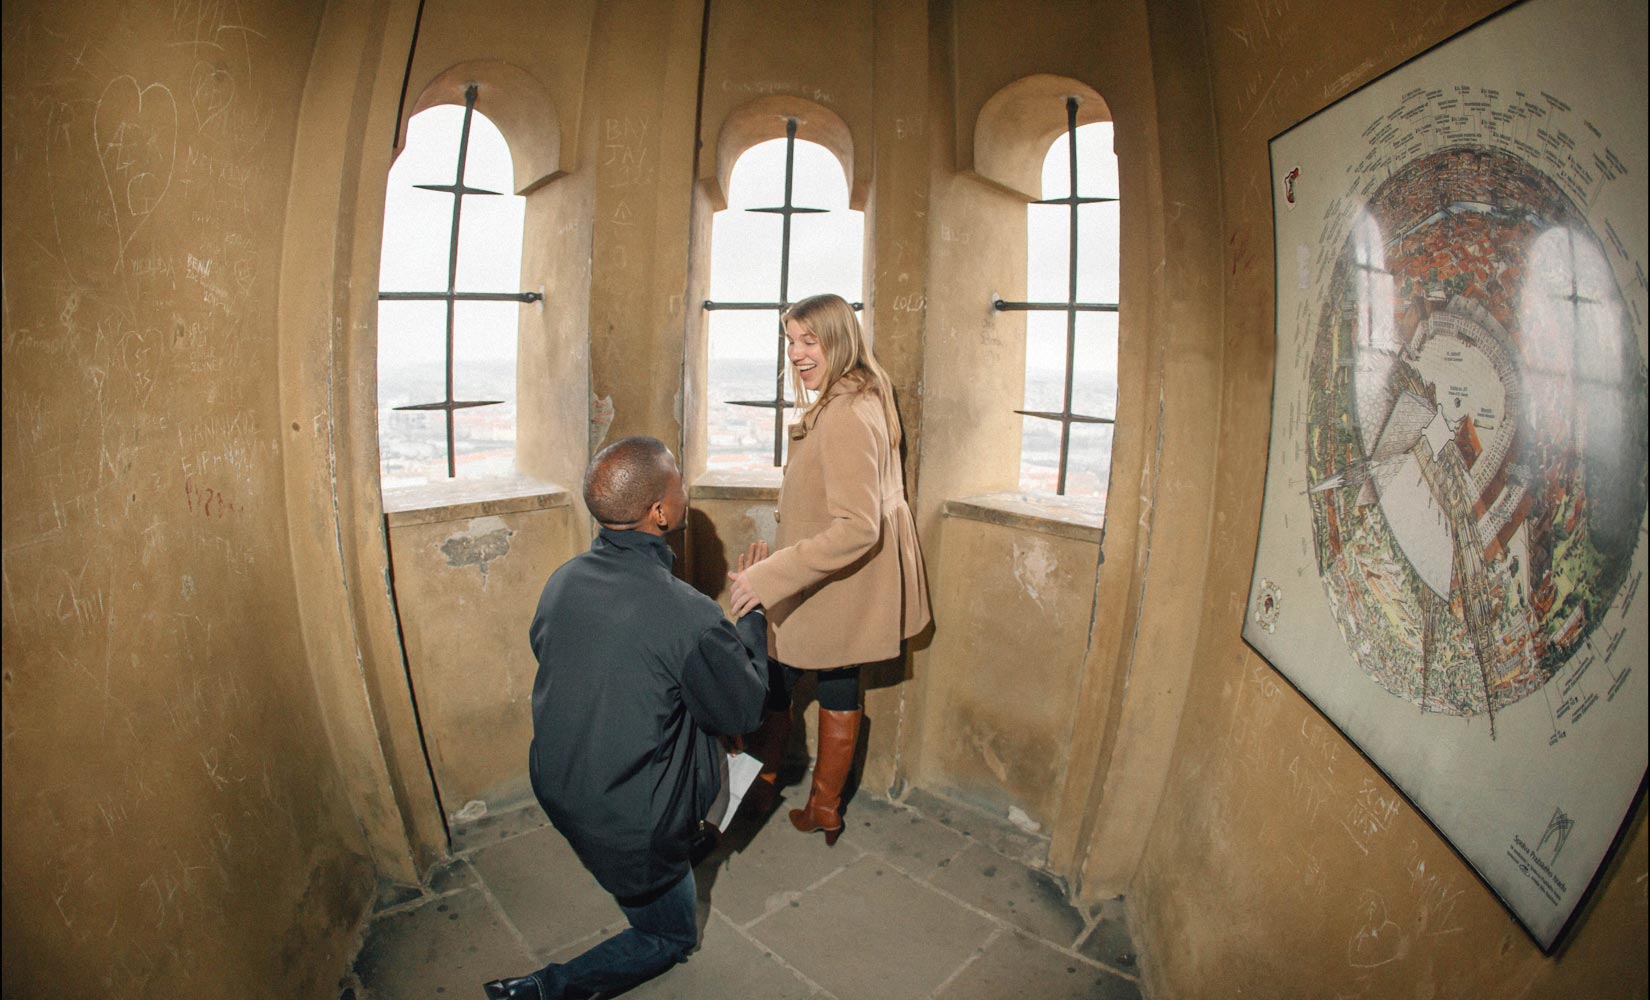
(779, 404)
(458, 189)
(1071, 307)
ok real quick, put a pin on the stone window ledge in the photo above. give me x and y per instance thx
(1082, 518)
(460, 499)
(737, 484)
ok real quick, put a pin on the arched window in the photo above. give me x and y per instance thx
(449, 298)
(787, 233)
(1072, 277)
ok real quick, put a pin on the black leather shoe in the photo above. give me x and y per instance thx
(525, 988)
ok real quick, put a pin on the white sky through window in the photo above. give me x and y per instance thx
(826, 250)
(417, 226)
(1047, 247)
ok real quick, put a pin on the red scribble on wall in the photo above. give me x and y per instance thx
(206, 501)
(1289, 180)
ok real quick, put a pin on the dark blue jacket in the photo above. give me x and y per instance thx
(638, 675)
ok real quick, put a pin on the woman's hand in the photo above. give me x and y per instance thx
(741, 595)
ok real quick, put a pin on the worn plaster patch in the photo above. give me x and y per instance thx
(1033, 566)
(601, 418)
(765, 519)
(1022, 819)
(989, 756)
(486, 539)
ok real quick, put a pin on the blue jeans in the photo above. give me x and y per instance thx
(661, 933)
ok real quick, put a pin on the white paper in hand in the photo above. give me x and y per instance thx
(738, 771)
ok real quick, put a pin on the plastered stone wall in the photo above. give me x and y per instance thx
(174, 819)
(1282, 864)
(638, 111)
(466, 586)
(1003, 698)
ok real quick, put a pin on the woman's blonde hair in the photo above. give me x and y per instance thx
(848, 357)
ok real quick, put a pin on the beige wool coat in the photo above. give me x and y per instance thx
(846, 582)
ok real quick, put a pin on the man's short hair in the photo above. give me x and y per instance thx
(626, 478)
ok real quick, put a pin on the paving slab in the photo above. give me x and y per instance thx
(872, 933)
(1016, 965)
(906, 839)
(454, 873)
(1109, 942)
(902, 906)
(994, 831)
(762, 864)
(1023, 896)
(544, 890)
(391, 894)
(446, 948)
(727, 964)
(495, 827)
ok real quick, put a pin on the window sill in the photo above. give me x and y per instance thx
(1081, 518)
(737, 484)
(459, 499)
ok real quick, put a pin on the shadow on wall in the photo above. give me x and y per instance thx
(708, 573)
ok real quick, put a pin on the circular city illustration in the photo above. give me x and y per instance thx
(1476, 436)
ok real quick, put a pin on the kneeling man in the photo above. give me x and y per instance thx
(638, 675)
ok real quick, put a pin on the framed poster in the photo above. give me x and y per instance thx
(1453, 539)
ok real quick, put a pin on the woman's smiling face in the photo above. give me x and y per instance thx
(806, 353)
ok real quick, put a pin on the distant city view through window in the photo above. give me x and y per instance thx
(412, 334)
(826, 255)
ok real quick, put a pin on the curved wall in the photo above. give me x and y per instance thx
(1251, 883)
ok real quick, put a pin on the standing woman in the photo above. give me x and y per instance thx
(846, 583)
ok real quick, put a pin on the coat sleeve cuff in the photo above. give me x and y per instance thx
(776, 577)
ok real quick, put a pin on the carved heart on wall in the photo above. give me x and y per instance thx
(135, 132)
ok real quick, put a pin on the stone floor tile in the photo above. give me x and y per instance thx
(446, 948)
(909, 841)
(727, 964)
(495, 827)
(871, 933)
(392, 894)
(544, 890)
(454, 873)
(1109, 942)
(829, 923)
(996, 832)
(761, 863)
(1023, 896)
(1015, 965)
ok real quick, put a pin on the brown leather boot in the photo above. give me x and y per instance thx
(768, 745)
(838, 735)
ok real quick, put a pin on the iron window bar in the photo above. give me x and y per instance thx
(778, 404)
(1071, 307)
(452, 296)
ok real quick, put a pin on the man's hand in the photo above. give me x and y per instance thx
(744, 599)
